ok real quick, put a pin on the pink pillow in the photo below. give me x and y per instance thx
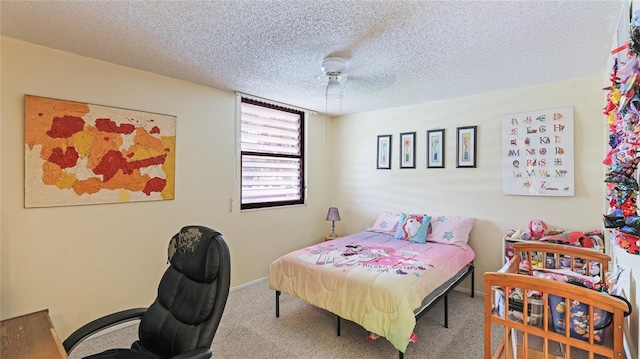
(450, 230)
(387, 222)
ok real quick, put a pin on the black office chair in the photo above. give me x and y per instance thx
(192, 295)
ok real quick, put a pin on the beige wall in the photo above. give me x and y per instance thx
(85, 261)
(474, 192)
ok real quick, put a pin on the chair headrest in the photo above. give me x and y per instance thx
(195, 252)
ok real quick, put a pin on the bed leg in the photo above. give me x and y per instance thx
(337, 325)
(401, 355)
(277, 304)
(473, 269)
(446, 311)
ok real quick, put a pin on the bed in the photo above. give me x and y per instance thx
(551, 331)
(374, 280)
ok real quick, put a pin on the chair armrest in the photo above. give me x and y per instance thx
(101, 324)
(200, 353)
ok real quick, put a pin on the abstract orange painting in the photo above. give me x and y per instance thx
(78, 153)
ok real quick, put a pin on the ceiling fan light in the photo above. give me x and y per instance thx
(334, 90)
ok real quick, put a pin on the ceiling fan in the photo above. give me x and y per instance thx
(333, 74)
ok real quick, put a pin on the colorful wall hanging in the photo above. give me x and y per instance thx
(537, 153)
(78, 153)
(622, 113)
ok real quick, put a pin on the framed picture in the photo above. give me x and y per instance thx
(384, 152)
(78, 153)
(408, 150)
(466, 146)
(435, 148)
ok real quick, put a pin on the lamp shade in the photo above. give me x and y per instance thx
(333, 214)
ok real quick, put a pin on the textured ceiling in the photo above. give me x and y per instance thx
(398, 52)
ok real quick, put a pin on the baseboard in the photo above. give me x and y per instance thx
(263, 279)
(134, 322)
(248, 283)
(476, 293)
(112, 329)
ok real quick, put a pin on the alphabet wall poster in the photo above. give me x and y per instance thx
(537, 151)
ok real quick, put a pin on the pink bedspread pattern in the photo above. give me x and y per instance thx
(369, 278)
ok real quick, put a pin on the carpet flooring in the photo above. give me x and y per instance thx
(249, 329)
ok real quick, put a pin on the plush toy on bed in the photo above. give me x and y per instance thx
(537, 229)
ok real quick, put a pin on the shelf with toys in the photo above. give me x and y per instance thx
(538, 231)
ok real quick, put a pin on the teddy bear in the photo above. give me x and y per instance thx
(537, 229)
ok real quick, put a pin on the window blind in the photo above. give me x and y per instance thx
(271, 155)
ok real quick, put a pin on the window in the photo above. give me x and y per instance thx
(272, 155)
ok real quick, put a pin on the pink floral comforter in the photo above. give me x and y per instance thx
(369, 278)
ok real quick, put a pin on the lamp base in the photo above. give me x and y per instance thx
(333, 229)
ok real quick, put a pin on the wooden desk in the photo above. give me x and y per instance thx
(30, 336)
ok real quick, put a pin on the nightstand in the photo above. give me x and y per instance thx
(329, 238)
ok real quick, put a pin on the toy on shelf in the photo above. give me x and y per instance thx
(513, 233)
(537, 229)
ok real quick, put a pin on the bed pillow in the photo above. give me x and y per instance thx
(387, 222)
(451, 230)
(413, 227)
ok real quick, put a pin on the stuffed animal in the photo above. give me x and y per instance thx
(537, 228)
(519, 234)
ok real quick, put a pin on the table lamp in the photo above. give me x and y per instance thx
(333, 215)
